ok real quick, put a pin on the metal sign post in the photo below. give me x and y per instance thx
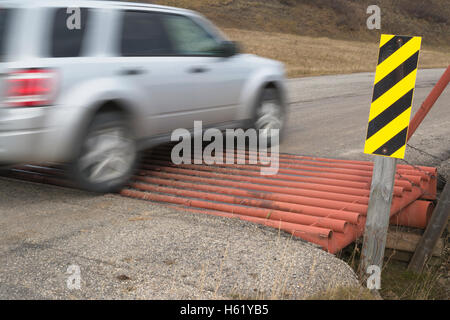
(387, 131)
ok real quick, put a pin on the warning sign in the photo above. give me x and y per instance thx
(392, 98)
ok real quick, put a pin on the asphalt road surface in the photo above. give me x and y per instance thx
(328, 117)
(127, 248)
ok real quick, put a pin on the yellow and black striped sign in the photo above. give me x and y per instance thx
(393, 92)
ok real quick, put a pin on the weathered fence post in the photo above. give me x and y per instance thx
(377, 222)
(433, 232)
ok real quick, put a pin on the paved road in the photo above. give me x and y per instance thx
(329, 116)
(134, 249)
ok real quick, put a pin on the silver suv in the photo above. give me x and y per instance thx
(93, 83)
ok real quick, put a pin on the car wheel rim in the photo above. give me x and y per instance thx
(108, 155)
(269, 119)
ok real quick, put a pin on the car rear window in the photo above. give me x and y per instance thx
(143, 34)
(68, 32)
(5, 15)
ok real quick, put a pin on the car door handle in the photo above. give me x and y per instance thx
(198, 70)
(132, 72)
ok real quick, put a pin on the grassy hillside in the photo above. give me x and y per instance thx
(338, 19)
(306, 56)
(327, 36)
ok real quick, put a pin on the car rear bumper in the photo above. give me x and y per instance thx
(23, 146)
(25, 136)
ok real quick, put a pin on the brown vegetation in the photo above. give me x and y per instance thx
(327, 36)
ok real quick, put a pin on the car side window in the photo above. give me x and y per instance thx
(67, 42)
(143, 35)
(187, 37)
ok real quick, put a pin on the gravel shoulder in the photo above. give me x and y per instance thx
(131, 249)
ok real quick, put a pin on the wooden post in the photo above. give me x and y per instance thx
(433, 232)
(378, 212)
(383, 176)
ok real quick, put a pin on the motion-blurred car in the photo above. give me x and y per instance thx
(94, 85)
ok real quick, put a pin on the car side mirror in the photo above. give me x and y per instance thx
(228, 49)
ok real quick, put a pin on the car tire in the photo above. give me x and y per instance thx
(107, 155)
(269, 113)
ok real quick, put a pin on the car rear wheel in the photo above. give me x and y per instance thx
(107, 156)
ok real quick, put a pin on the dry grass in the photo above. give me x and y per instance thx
(306, 56)
(401, 284)
(397, 283)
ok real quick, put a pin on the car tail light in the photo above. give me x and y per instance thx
(30, 88)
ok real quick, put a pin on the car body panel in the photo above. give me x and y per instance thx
(158, 94)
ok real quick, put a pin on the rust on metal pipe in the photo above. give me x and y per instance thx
(305, 205)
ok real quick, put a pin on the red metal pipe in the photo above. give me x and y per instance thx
(305, 205)
(357, 162)
(321, 239)
(429, 102)
(330, 162)
(231, 180)
(334, 243)
(352, 169)
(354, 203)
(363, 173)
(311, 230)
(416, 215)
(341, 240)
(358, 188)
(356, 170)
(353, 174)
(364, 176)
(256, 178)
(247, 207)
(398, 203)
(244, 170)
(353, 181)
